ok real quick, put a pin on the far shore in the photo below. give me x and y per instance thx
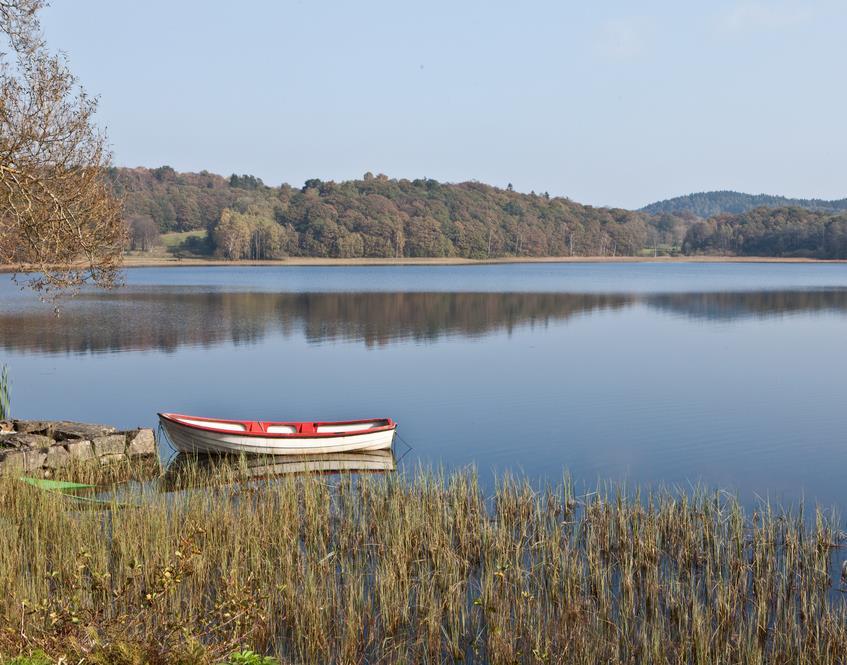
(138, 261)
(163, 262)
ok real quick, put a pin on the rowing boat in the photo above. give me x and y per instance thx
(193, 434)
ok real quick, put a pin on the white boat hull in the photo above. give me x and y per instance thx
(191, 440)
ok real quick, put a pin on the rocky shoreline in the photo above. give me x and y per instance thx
(41, 447)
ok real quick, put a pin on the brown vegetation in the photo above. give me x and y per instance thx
(379, 217)
(392, 569)
(58, 216)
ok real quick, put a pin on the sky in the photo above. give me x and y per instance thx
(608, 103)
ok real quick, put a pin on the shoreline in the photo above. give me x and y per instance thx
(145, 262)
(299, 261)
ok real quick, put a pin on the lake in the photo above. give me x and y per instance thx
(674, 374)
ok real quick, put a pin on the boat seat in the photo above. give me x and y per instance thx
(307, 428)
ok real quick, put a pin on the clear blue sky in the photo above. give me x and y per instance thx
(609, 103)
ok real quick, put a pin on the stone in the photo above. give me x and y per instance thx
(65, 430)
(80, 451)
(13, 461)
(35, 459)
(26, 441)
(32, 426)
(112, 444)
(57, 457)
(28, 446)
(140, 442)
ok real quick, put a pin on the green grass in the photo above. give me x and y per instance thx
(248, 657)
(37, 657)
(660, 250)
(422, 569)
(172, 241)
(172, 244)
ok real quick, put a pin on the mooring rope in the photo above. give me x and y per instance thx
(408, 445)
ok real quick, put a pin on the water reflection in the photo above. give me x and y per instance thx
(188, 471)
(759, 304)
(167, 319)
(141, 318)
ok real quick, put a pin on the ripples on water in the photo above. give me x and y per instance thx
(731, 375)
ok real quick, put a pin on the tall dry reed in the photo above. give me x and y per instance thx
(421, 569)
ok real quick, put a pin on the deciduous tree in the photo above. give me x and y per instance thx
(59, 219)
(143, 232)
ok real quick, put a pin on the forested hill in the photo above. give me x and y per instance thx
(380, 217)
(709, 204)
(778, 232)
(241, 218)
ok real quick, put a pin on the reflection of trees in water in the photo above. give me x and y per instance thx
(167, 319)
(379, 318)
(728, 306)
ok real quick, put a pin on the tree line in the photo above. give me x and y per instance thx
(779, 232)
(376, 216)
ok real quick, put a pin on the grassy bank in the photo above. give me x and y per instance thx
(427, 569)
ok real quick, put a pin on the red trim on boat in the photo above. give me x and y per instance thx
(259, 429)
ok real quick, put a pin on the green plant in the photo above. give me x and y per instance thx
(117, 654)
(248, 657)
(4, 393)
(123, 651)
(37, 657)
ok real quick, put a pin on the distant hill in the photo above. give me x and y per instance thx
(780, 232)
(709, 204)
(378, 216)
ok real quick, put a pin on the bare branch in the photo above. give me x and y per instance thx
(59, 219)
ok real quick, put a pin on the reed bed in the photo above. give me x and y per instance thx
(419, 568)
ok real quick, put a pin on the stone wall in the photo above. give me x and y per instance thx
(40, 447)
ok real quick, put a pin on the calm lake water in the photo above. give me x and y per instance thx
(730, 375)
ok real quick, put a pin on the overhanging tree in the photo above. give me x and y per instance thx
(59, 219)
